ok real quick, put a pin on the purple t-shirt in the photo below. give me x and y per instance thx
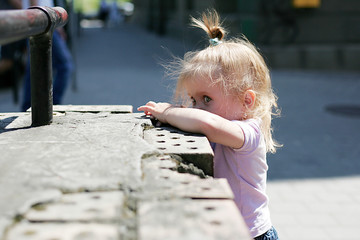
(246, 171)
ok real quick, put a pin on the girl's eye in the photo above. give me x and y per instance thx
(207, 99)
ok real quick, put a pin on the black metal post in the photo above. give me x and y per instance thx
(41, 72)
(41, 79)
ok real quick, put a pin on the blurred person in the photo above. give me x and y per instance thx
(10, 4)
(12, 66)
(11, 56)
(114, 14)
(61, 60)
(104, 11)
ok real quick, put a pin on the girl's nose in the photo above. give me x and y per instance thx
(200, 106)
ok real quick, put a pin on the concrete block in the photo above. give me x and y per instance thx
(193, 148)
(351, 57)
(321, 57)
(35, 231)
(160, 182)
(190, 219)
(287, 57)
(94, 108)
(318, 29)
(343, 7)
(83, 207)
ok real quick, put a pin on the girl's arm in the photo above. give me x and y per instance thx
(214, 127)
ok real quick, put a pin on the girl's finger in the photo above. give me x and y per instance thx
(151, 103)
(143, 108)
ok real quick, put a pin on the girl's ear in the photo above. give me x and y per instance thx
(249, 99)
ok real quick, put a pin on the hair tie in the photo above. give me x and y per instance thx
(214, 41)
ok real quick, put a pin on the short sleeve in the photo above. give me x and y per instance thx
(252, 134)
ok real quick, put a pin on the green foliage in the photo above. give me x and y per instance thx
(92, 6)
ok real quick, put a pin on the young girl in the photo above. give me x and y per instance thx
(229, 87)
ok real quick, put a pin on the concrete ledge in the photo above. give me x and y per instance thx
(36, 231)
(88, 173)
(162, 181)
(103, 207)
(193, 148)
(94, 108)
(201, 219)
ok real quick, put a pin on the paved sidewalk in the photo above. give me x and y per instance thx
(314, 179)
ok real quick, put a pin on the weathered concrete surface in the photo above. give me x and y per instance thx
(192, 148)
(85, 176)
(79, 151)
(35, 231)
(80, 207)
(160, 182)
(94, 108)
(200, 219)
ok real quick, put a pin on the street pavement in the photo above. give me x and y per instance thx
(314, 179)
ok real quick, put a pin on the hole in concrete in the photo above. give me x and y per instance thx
(162, 148)
(216, 223)
(190, 141)
(206, 188)
(175, 138)
(160, 135)
(92, 210)
(161, 141)
(39, 207)
(193, 148)
(159, 129)
(177, 144)
(209, 208)
(69, 203)
(185, 183)
(96, 197)
(29, 232)
(84, 235)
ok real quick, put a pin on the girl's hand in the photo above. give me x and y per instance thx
(157, 110)
(217, 129)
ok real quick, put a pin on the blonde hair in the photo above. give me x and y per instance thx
(236, 66)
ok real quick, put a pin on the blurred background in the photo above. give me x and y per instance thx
(310, 34)
(313, 50)
(290, 34)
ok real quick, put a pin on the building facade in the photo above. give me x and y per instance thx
(306, 34)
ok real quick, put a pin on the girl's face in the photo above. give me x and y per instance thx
(210, 97)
